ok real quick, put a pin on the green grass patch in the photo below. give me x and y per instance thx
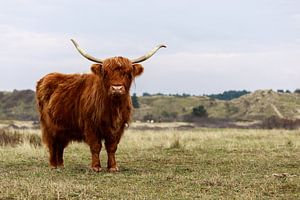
(168, 164)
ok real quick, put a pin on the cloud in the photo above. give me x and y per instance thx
(215, 72)
(20, 43)
(212, 45)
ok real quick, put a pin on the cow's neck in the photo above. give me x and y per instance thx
(117, 105)
(118, 111)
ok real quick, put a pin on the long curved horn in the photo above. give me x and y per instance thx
(84, 54)
(149, 54)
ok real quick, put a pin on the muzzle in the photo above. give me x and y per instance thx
(117, 90)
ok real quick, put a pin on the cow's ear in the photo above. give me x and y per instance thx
(137, 69)
(96, 68)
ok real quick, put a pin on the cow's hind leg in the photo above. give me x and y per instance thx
(49, 141)
(53, 155)
(56, 150)
(60, 146)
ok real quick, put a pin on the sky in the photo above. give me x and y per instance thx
(212, 46)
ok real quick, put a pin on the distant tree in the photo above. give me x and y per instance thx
(146, 94)
(199, 111)
(297, 91)
(287, 91)
(186, 95)
(135, 102)
(180, 95)
(280, 91)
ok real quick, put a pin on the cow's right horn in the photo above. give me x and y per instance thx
(84, 54)
(149, 54)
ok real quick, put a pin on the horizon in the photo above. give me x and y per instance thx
(182, 94)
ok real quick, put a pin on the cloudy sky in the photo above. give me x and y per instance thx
(213, 45)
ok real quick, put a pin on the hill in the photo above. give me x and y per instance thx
(261, 104)
(18, 105)
(266, 103)
(258, 105)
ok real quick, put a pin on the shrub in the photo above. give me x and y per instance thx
(148, 117)
(199, 111)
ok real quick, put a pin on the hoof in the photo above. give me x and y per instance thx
(96, 169)
(53, 167)
(61, 166)
(113, 169)
(57, 168)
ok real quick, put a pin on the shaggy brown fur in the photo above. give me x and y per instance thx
(87, 108)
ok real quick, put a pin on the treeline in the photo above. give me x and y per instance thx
(229, 95)
(288, 91)
(233, 94)
(146, 94)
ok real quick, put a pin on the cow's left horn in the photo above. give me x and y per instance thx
(84, 54)
(149, 54)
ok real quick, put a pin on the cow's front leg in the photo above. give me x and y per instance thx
(111, 148)
(95, 148)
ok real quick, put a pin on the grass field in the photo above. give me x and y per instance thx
(166, 164)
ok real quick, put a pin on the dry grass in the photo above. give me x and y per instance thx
(168, 164)
(10, 137)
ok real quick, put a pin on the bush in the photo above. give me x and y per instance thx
(166, 116)
(199, 111)
(148, 117)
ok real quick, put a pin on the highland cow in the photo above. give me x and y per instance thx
(92, 107)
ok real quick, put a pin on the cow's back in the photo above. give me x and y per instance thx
(45, 88)
(57, 98)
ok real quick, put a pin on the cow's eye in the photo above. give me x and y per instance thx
(104, 74)
(129, 75)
